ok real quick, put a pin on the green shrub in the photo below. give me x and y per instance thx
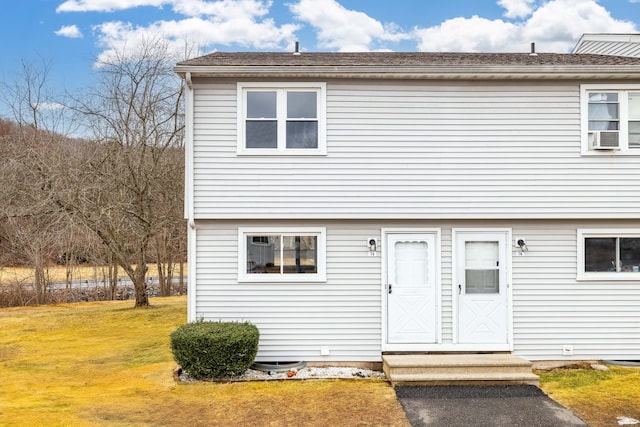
(215, 349)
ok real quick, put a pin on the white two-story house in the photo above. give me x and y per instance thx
(352, 204)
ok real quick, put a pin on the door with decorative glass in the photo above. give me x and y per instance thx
(411, 288)
(481, 267)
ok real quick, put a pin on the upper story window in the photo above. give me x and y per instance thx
(281, 118)
(609, 254)
(611, 119)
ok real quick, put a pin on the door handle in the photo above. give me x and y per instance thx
(459, 289)
(389, 287)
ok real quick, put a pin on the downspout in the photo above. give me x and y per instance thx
(188, 185)
(189, 203)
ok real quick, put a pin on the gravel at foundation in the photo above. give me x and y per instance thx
(298, 374)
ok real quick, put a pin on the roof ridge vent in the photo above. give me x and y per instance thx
(297, 49)
(533, 50)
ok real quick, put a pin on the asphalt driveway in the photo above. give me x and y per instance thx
(491, 406)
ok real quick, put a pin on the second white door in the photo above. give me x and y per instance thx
(481, 265)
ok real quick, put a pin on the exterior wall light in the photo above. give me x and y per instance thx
(522, 245)
(373, 246)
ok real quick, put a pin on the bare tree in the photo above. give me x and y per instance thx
(136, 121)
(31, 224)
(168, 245)
(123, 184)
(76, 245)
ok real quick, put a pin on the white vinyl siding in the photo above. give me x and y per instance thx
(297, 319)
(417, 149)
(551, 309)
(609, 44)
(440, 154)
(599, 319)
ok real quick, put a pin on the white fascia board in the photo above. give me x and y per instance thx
(433, 72)
(422, 216)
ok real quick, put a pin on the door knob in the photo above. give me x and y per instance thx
(459, 289)
(389, 287)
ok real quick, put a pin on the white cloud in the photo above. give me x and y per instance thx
(225, 22)
(106, 5)
(48, 106)
(516, 8)
(473, 34)
(343, 29)
(227, 8)
(204, 24)
(198, 31)
(559, 23)
(71, 31)
(554, 26)
(183, 7)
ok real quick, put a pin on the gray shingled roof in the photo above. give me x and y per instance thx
(405, 65)
(411, 59)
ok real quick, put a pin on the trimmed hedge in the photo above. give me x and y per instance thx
(215, 349)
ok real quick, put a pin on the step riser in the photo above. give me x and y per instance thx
(458, 370)
(465, 376)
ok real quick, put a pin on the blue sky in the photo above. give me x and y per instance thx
(72, 34)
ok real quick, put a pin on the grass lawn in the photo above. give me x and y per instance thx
(598, 397)
(106, 364)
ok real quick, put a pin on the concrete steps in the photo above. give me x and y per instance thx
(458, 369)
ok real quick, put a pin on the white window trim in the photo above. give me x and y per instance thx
(624, 150)
(603, 232)
(319, 87)
(320, 276)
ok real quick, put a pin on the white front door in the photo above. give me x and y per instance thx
(411, 288)
(481, 272)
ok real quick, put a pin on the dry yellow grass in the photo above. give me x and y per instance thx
(598, 397)
(106, 364)
(57, 273)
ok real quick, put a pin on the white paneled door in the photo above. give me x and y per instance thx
(411, 288)
(481, 273)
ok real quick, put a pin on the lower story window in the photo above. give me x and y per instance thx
(269, 255)
(609, 254)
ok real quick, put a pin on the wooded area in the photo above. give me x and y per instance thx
(98, 178)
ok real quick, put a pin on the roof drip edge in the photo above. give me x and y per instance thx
(618, 72)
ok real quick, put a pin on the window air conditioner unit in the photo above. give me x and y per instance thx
(604, 140)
